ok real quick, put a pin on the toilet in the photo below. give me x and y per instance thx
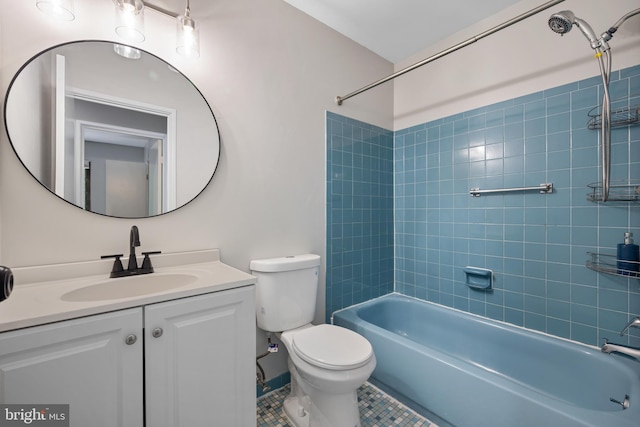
(327, 363)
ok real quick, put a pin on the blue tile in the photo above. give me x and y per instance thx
(535, 109)
(585, 98)
(514, 114)
(558, 123)
(535, 321)
(584, 333)
(613, 300)
(559, 141)
(514, 131)
(559, 291)
(515, 317)
(619, 89)
(557, 327)
(557, 104)
(535, 127)
(564, 89)
(537, 245)
(585, 295)
(584, 314)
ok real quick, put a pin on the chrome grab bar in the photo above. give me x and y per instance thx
(542, 188)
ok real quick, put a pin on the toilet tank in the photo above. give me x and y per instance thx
(285, 291)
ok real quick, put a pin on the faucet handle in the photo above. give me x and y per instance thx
(146, 262)
(117, 265)
(633, 323)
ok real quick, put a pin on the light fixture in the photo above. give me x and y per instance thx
(127, 51)
(130, 20)
(58, 9)
(188, 35)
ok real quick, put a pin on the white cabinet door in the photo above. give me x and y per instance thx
(200, 371)
(84, 363)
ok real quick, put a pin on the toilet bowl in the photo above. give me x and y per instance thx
(327, 364)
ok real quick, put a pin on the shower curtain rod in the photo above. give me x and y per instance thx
(341, 99)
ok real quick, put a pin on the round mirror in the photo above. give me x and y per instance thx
(112, 129)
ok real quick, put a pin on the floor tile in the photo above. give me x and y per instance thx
(377, 409)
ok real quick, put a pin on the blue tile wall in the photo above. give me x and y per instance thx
(359, 212)
(414, 199)
(536, 244)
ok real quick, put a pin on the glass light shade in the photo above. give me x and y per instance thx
(132, 6)
(187, 37)
(127, 51)
(130, 20)
(58, 9)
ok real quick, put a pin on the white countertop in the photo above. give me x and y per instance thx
(37, 297)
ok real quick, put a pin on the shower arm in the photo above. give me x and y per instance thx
(341, 99)
(607, 35)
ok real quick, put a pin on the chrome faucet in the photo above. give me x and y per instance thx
(608, 347)
(633, 323)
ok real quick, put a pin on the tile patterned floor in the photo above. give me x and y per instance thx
(377, 409)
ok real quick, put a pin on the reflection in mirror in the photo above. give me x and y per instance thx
(122, 137)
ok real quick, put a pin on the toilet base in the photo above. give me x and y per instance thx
(295, 413)
(331, 410)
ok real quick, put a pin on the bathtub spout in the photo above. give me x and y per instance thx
(608, 347)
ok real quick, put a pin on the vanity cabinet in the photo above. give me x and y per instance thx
(181, 363)
(199, 361)
(82, 362)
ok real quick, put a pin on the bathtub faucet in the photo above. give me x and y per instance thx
(633, 323)
(608, 347)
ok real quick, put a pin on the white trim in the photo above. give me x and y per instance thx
(79, 140)
(60, 118)
(170, 198)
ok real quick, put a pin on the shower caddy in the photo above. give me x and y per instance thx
(618, 191)
(605, 119)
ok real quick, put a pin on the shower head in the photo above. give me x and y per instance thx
(561, 23)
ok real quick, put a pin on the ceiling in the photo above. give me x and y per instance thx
(397, 29)
(394, 29)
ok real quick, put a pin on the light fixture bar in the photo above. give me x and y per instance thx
(161, 10)
(187, 32)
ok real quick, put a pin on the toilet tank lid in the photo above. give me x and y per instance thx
(285, 263)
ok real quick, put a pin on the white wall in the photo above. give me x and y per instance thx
(523, 58)
(269, 73)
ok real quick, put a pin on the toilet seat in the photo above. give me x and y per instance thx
(332, 347)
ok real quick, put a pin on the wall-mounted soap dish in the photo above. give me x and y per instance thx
(479, 278)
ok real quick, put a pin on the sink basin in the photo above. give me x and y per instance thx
(127, 287)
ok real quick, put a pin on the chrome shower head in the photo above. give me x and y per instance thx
(562, 22)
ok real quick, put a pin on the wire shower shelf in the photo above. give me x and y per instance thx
(619, 191)
(624, 116)
(605, 263)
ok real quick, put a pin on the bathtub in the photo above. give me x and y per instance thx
(471, 371)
